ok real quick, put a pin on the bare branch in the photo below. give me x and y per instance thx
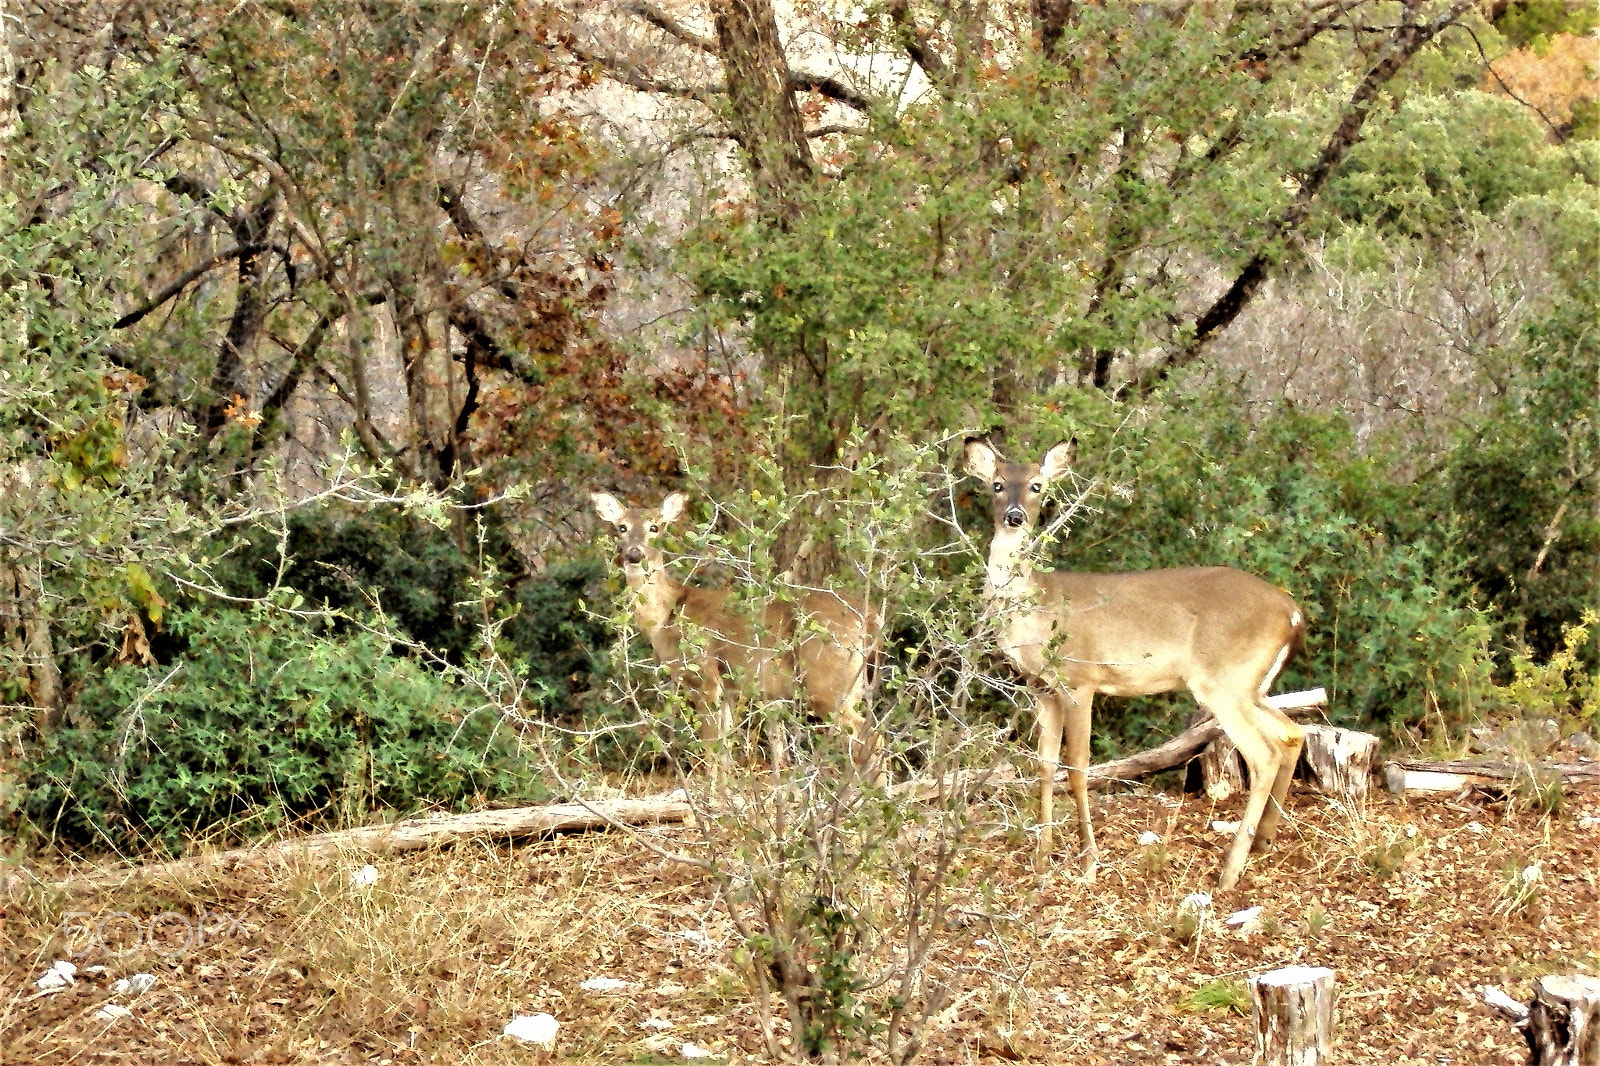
(181, 282)
(620, 70)
(1404, 43)
(833, 89)
(665, 22)
(916, 43)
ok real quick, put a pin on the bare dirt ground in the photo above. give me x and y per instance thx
(1414, 906)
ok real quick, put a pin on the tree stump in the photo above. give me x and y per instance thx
(1340, 762)
(1291, 1013)
(1563, 1026)
(1221, 769)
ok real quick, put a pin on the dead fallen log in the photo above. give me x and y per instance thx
(1437, 776)
(412, 834)
(1192, 741)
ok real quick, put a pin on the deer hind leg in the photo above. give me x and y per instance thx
(1289, 738)
(1262, 755)
(1048, 711)
(1077, 709)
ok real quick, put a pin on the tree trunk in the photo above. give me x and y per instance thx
(765, 118)
(1291, 1013)
(1563, 1027)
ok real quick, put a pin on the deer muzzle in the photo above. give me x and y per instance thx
(633, 556)
(1015, 516)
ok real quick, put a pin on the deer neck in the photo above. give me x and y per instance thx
(656, 595)
(1009, 574)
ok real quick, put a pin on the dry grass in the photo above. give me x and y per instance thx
(1408, 904)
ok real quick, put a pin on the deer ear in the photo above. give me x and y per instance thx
(607, 507)
(672, 507)
(981, 459)
(1058, 460)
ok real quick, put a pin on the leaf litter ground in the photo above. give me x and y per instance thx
(1414, 906)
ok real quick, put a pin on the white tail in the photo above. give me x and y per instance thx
(1220, 633)
(831, 665)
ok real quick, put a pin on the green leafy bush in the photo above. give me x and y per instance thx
(263, 720)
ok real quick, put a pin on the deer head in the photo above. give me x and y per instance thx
(1017, 489)
(639, 527)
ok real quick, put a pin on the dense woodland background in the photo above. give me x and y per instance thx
(319, 319)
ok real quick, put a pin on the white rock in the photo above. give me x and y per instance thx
(1244, 917)
(58, 976)
(111, 1012)
(1147, 838)
(1530, 874)
(1197, 902)
(138, 984)
(692, 1051)
(537, 1029)
(1225, 828)
(365, 877)
(655, 1023)
(606, 984)
(984, 942)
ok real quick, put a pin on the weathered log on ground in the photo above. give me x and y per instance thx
(1291, 1014)
(1434, 776)
(1563, 1027)
(412, 834)
(1339, 762)
(1183, 747)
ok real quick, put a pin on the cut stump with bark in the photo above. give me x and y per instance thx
(1221, 769)
(1339, 762)
(1563, 1026)
(1291, 1013)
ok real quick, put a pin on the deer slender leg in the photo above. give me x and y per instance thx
(1238, 717)
(1290, 738)
(1077, 706)
(1047, 707)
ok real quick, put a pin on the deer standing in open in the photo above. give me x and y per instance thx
(1220, 633)
(831, 664)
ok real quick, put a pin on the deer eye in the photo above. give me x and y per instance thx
(622, 527)
(654, 528)
(1036, 488)
(999, 486)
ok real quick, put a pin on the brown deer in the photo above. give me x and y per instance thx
(831, 663)
(1220, 633)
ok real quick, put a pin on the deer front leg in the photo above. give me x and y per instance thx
(1047, 708)
(1078, 712)
(1261, 756)
(1289, 738)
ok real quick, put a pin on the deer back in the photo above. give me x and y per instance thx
(1152, 631)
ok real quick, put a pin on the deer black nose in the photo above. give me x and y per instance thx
(633, 556)
(1015, 516)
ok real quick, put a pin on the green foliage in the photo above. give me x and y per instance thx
(91, 516)
(263, 721)
(1224, 994)
(1524, 478)
(1525, 21)
(1440, 159)
(426, 585)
